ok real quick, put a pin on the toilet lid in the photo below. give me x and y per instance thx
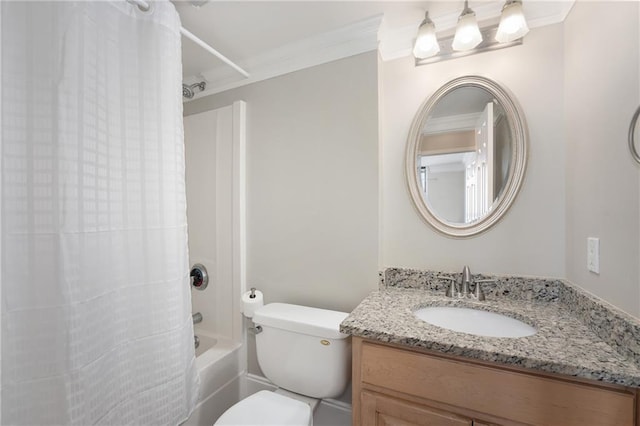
(267, 408)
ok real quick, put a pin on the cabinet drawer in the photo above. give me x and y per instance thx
(380, 410)
(520, 397)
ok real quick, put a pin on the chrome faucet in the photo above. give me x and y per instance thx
(465, 285)
(466, 281)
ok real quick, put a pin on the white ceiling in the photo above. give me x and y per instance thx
(270, 38)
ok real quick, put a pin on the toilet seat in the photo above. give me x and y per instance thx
(267, 408)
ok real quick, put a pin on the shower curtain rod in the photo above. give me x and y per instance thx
(145, 5)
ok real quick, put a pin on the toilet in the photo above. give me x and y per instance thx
(301, 350)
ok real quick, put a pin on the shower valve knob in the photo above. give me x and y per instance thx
(199, 277)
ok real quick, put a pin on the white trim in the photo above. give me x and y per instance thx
(450, 123)
(360, 37)
(447, 168)
(238, 218)
(1, 194)
(334, 403)
(262, 381)
(351, 40)
(561, 14)
(266, 384)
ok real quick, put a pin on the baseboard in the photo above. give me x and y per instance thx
(256, 382)
(337, 404)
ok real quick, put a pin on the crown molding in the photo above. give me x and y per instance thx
(344, 42)
(360, 37)
(450, 123)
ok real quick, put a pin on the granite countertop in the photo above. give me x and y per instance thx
(564, 343)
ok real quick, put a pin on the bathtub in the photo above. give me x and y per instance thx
(221, 367)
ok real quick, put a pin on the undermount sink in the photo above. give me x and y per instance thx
(474, 321)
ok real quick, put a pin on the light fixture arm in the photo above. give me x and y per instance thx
(509, 3)
(426, 20)
(466, 10)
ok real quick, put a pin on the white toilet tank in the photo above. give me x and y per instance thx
(302, 350)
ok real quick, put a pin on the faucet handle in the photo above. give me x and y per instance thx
(452, 291)
(478, 293)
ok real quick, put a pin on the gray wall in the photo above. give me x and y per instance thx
(317, 226)
(312, 183)
(602, 90)
(529, 240)
(578, 83)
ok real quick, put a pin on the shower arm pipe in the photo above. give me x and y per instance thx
(145, 5)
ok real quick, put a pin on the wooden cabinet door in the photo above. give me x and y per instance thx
(516, 397)
(380, 410)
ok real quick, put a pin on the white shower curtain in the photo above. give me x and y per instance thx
(96, 309)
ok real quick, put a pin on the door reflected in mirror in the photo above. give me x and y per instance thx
(466, 156)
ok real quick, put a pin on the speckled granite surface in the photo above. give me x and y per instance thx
(578, 335)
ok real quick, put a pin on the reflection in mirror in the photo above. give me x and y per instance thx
(466, 156)
(464, 153)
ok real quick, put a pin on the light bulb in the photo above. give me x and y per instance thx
(426, 41)
(513, 25)
(467, 32)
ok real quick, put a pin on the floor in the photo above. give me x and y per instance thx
(327, 415)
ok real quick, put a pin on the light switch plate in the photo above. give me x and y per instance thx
(593, 255)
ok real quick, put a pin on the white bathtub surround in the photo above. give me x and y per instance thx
(215, 175)
(221, 365)
(96, 315)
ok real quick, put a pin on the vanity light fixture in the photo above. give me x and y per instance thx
(426, 41)
(513, 25)
(468, 38)
(467, 32)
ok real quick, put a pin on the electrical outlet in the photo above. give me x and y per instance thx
(593, 255)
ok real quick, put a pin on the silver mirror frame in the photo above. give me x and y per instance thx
(632, 131)
(518, 128)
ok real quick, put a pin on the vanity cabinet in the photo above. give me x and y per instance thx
(401, 386)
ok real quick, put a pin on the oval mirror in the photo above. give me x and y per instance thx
(466, 156)
(634, 136)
